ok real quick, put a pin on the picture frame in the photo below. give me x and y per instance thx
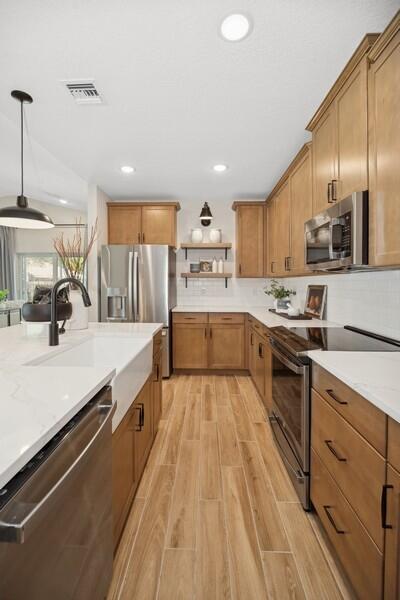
(205, 265)
(316, 301)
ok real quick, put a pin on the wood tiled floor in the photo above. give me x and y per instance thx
(215, 515)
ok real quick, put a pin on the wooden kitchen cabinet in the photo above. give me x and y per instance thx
(190, 345)
(282, 229)
(157, 389)
(384, 147)
(143, 426)
(226, 346)
(142, 223)
(249, 239)
(270, 241)
(324, 153)
(392, 545)
(260, 361)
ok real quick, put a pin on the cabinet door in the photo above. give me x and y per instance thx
(259, 357)
(157, 390)
(249, 240)
(159, 225)
(267, 377)
(352, 133)
(270, 239)
(144, 427)
(300, 212)
(392, 543)
(124, 224)
(123, 475)
(384, 155)
(252, 353)
(190, 346)
(226, 346)
(324, 153)
(282, 229)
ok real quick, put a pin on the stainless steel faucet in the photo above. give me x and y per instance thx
(53, 327)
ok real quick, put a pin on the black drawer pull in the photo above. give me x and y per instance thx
(139, 407)
(332, 395)
(385, 489)
(332, 520)
(334, 452)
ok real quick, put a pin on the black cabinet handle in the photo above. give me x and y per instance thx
(240, 269)
(138, 237)
(210, 332)
(139, 408)
(251, 339)
(332, 395)
(142, 238)
(385, 489)
(329, 192)
(334, 452)
(332, 520)
(334, 190)
(260, 350)
(272, 266)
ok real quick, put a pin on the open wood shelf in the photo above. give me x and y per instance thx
(207, 246)
(225, 276)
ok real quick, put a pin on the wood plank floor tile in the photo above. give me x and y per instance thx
(153, 460)
(191, 428)
(251, 400)
(232, 384)
(243, 426)
(125, 547)
(270, 531)
(221, 390)
(144, 565)
(177, 575)
(209, 380)
(210, 471)
(281, 577)
(195, 384)
(281, 484)
(209, 403)
(247, 577)
(182, 387)
(316, 577)
(168, 391)
(172, 439)
(182, 522)
(228, 443)
(212, 568)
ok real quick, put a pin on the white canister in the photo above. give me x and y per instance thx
(215, 236)
(220, 266)
(196, 236)
(80, 313)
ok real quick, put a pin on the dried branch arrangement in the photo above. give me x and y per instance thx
(74, 252)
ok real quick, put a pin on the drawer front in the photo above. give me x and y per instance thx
(190, 317)
(157, 342)
(223, 318)
(364, 416)
(360, 557)
(394, 444)
(355, 465)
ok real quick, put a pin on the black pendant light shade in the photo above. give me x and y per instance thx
(206, 215)
(21, 215)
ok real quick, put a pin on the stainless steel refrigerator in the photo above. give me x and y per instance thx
(138, 284)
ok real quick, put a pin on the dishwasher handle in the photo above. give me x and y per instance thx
(16, 528)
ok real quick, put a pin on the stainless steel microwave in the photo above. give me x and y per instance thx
(337, 238)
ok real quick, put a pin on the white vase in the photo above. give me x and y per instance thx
(281, 305)
(197, 236)
(80, 313)
(215, 236)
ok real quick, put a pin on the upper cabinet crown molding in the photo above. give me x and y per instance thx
(385, 37)
(362, 50)
(144, 203)
(238, 203)
(305, 149)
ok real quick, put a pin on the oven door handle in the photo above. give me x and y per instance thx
(299, 370)
(273, 419)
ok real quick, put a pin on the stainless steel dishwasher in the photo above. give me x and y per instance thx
(56, 534)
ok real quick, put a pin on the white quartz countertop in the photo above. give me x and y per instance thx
(374, 375)
(36, 400)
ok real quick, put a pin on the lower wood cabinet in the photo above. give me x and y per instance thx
(190, 344)
(226, 346)
(143, 426)
(157, 389)
(392, 541)
(260, 362)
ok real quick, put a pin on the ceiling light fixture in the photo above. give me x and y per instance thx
(220, 168)
(127, 169)
(62, 201)
(235, 27)
(206, 215)
(22, 216)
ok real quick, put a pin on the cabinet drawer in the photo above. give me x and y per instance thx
(190, 317)
(364, 416)
(226, 318)
(360, 557)
(355, 465)
(394, 443)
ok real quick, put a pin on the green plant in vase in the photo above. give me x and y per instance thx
(3, 295)
(280, 294)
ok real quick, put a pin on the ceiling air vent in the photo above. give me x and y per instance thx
(84, 92)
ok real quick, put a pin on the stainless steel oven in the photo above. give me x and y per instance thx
(337, 239)
(290, 416)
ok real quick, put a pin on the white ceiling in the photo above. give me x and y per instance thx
(178, 97)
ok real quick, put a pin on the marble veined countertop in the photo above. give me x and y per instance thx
(37, 401)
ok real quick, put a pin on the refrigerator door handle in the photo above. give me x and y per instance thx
(135, 297)
(130, 287)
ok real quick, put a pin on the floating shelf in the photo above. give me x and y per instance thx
(225, 276)
(207, 246)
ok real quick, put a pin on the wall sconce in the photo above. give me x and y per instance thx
(206, 215)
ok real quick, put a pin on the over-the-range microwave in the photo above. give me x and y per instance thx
(337, 238)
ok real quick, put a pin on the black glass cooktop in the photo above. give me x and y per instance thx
(299, 340)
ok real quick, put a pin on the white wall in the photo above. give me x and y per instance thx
(97, 209)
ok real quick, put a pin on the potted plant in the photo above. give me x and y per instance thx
(3, 296)
(280, 294)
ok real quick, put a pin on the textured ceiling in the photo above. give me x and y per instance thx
(178, 98)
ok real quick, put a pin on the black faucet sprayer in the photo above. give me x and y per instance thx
(53, 327)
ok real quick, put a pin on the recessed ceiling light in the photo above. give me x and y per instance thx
(127, 169)
(235, 27)
(62, 201)
(220, 168)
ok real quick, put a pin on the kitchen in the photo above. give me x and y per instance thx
(241, 454)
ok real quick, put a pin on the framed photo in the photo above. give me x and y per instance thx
(205, 266)
(315, 301)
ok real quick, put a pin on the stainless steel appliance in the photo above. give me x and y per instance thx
(138, 284)
(337, 239)
(56, 530)
(291, 381)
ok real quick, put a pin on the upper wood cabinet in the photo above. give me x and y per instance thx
(282, 229)
(249, 239)
(142, 223)
(340, 134)
(300, 210)
(269, 241)
(384, 146)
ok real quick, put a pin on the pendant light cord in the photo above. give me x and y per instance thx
(22, 148)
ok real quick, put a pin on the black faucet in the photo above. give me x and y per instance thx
(53, 327)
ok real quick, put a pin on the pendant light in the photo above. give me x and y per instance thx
(22, 216)
(206, 215)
